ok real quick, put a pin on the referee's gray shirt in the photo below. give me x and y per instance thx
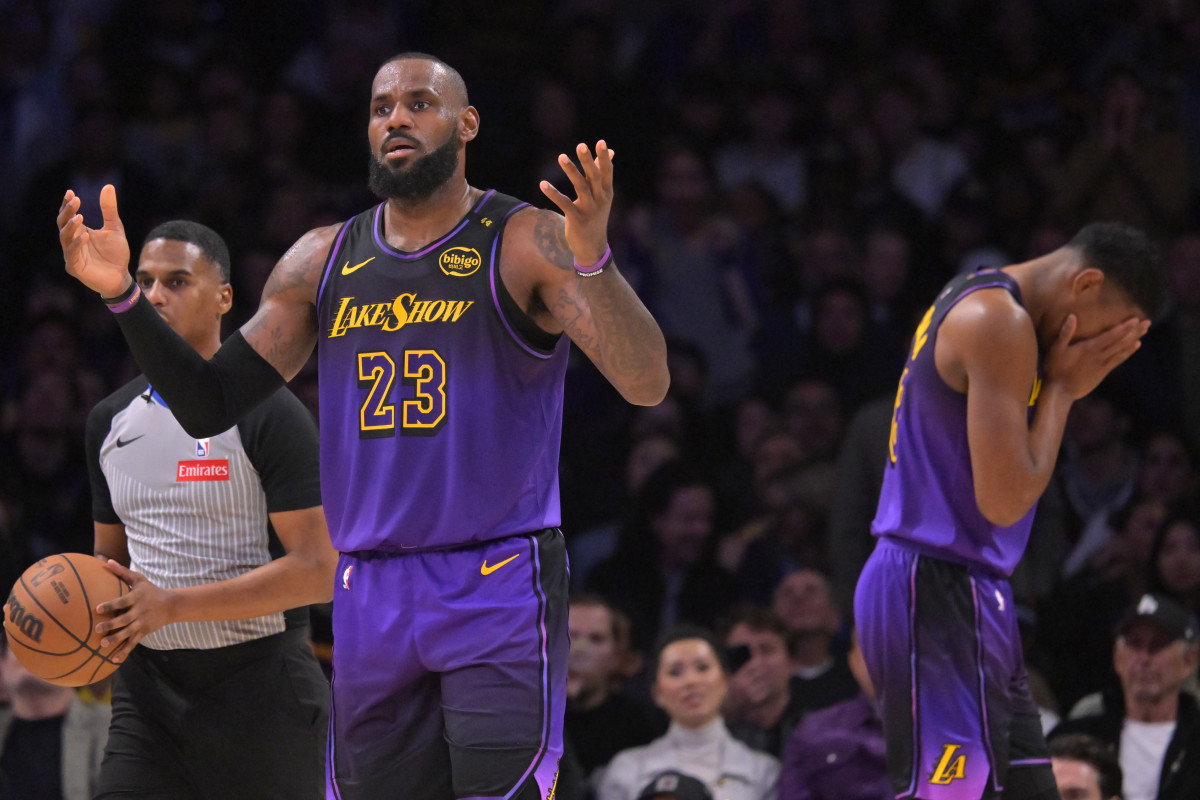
(195, 511)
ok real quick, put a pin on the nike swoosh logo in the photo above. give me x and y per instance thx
(127, 441)
(346, 270)
(486, 570)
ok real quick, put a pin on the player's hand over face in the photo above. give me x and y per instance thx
(1078, 367)
(142, 610)
(587, 214)
(98, 258)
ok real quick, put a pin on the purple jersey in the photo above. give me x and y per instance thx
(928, 493)
(440, 401)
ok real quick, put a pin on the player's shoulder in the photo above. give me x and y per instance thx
(987, 313)
(304, 262)
(538, 235)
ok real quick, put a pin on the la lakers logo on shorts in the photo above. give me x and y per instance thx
(950, 768)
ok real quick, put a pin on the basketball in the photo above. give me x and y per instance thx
(50, 618)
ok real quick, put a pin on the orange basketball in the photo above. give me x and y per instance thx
(50, 618)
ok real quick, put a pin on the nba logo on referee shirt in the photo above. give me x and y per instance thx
(202, 448)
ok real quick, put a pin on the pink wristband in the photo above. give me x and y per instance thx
(598, 267)
(128, 302)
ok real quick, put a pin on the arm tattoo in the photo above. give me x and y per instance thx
(284, 329)
(549, 234)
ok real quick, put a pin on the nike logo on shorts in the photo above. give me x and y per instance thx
(486, 570)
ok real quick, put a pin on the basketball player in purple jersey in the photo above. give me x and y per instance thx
(438, 318)
(994, 367)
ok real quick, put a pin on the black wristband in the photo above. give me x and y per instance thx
(122, 297)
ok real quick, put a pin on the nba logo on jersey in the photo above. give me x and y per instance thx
(202, 448)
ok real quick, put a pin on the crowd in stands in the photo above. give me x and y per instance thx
(795, 180)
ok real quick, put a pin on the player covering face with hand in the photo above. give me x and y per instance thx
(995, 365)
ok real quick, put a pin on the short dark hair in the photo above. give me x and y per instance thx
(679, 633)
(1092, 751)
(758, 619)
(204, 237)
(620, 625)
(1127, 257)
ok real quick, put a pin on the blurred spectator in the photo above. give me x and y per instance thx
(1151, 723)
(602, 719)
(51, 742)
(858, 478)
(594, 544)
(758, 707)
(1084, 768)
(1175, 559)
(820, 673)
(44, 475)
(690, 682)
(1078, 617)
(1129, 167)
(663, 571)
(689, 263)
(922, 168)
(767, 154)
(839, 752)
(97, 157)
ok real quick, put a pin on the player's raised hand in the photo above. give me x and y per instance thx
(1079, 366)
(97, 257)
(587, 214)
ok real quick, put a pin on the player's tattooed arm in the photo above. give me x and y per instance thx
(603, 315)
(284, 329)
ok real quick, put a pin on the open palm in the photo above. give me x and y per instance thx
(97, 257)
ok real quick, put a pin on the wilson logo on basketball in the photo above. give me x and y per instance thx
(203, 470)
(29, 625)
(459, 262)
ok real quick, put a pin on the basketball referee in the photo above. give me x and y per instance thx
(220, 695)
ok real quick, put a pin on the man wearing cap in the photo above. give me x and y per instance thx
(673, 785)
(1152, 724)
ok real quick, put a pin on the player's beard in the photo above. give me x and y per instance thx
(421, 179)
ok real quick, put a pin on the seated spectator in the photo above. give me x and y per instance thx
(758, 707)
(839, 752)
(664, 570)
(820, 673)
(1175, 559)
(1151, 723)
(51, 742)
(1084, 768)
(690, 683)
(1076, 621)
(601, 719)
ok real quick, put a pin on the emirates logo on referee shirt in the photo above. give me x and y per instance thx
(216, 470)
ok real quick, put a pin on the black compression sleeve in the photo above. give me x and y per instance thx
(207, 397)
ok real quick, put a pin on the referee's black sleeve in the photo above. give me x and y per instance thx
(280, 438)
(208, 397)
